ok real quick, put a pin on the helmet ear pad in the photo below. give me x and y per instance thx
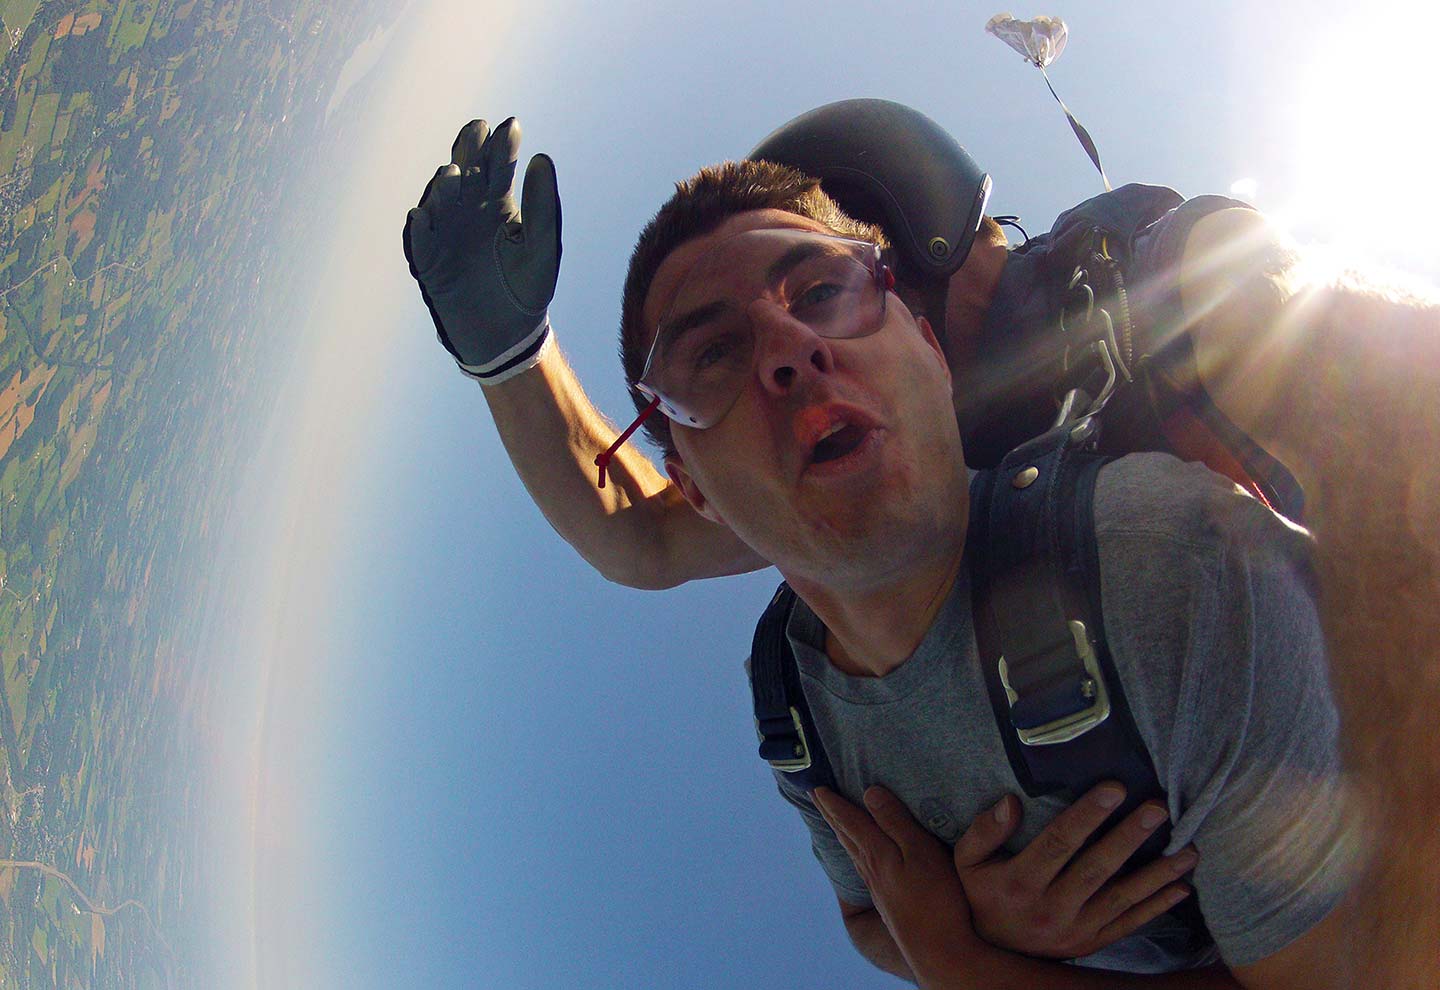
(887, 164)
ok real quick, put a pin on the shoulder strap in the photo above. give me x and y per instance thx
(1035, 578)
(788, 740)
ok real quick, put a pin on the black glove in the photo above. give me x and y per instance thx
(486, 277)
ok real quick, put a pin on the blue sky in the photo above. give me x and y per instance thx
(466, 759)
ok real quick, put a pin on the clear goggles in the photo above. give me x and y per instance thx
(705, 349)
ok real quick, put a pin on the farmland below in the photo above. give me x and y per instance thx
(153, 171)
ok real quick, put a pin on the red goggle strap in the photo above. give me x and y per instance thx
(602, 460)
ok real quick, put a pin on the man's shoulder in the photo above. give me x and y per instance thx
(1158, 498)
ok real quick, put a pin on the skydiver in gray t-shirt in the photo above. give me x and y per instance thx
(832, 454)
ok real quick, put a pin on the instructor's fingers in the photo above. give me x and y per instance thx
(1042, 860)
(419, 241)
(988, 833)
(1119, 897)
(1143, 913)
(1097, 865)
(440, 175)
(442, 192)
(465, 152)
(498, 157)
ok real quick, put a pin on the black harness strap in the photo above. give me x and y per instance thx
(788, 740)
(1035, 579)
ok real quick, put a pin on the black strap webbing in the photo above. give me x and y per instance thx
(1035, 570)
(788, 740)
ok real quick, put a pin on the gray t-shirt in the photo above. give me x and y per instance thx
(1212, 626)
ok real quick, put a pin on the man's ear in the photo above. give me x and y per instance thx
(675, 468)
(928, 332)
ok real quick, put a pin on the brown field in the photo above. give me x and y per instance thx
(94, 183)
(77, 24)
(17, 404)
(84, 226)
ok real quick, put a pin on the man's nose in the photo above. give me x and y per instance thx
(789, 350)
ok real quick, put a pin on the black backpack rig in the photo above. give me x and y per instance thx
(1059, 354)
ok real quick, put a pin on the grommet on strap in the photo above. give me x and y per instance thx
(1025, 478)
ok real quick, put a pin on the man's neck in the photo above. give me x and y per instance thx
(869, 633)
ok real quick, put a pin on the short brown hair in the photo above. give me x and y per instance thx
(701, 204)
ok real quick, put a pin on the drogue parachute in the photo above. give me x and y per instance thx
(1041, 40)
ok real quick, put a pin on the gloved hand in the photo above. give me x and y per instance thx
(486, 277)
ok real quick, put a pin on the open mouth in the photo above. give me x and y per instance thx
(832, 431)
(838, 444)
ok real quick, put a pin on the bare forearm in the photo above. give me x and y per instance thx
(1335, 372)
(873, 941)
(1374, 506)
(1339, 381)
(995, 969)
(638, 530)
(1007, 971)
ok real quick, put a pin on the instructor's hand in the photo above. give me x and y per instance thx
(911, 880)
(1053, 900)
(486, 267)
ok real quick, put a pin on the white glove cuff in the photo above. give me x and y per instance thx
(522, 357)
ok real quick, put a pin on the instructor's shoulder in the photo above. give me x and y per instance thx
(1226, 250)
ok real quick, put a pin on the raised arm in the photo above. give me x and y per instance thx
(487, 269)
(638, 530)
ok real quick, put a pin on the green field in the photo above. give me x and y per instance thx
(121, 123)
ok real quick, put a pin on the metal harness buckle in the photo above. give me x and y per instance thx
(1070, 726)
(801, 759)
(1093, 339)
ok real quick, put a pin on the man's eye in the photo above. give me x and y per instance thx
(821, 292)
(713, 351)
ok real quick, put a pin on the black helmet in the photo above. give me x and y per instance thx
(887, 164)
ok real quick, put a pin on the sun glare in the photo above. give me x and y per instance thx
(1365, 142)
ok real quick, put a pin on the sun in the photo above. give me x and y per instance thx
(1365, 143)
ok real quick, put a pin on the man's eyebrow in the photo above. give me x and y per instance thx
(782, 265)
(774, 272)
(673, 330)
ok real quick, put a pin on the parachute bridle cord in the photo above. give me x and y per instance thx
(1081, 133)
(1041, 41)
